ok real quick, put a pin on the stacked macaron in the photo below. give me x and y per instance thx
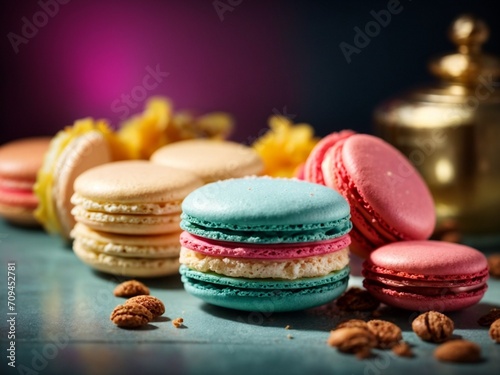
(389, 200)
(426, 275)
(264, 244)
(211, 160)
(128, 216)
(19, 164)
(393, 216)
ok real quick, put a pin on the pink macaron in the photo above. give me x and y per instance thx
(426, 275)
(389, 200)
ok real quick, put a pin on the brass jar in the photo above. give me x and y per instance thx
(450, 130)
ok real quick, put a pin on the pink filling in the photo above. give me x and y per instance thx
(262, 251)
(18, 197)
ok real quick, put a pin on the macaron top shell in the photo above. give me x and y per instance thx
(211, 160)
(390, 185)
(135, 181)
(21, 159)
(427, 258)
(270, 202)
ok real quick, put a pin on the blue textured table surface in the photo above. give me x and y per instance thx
(62, 326)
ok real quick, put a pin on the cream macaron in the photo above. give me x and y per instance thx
(128, 216)
(211, 160)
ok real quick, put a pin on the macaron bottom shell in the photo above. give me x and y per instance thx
(130, 267)
(418, 302)
(264, 299)
(18, 215)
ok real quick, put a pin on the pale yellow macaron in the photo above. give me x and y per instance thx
(132, 197)
(128, 216)
(211, 160)
(73, 150)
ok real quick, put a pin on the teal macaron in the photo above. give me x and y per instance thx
(267, 296)
(266, 210)
(265, 244)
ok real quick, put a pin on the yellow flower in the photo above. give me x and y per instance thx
(146, 132)
(158, 125)
(285, 147)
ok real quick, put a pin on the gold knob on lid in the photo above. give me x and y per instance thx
(469, 63)
(469, 34)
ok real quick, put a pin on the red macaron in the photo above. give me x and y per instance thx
(20, 161)
(389, 200)
(426, 275)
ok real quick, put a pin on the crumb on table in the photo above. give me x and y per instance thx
(178, 322)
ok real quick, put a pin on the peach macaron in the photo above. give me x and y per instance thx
(210, 159)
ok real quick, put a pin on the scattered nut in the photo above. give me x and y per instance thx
(387, 334)
(495, 331)
(130, 288)
(288, 326)
(289, 336)
(357, 299)
(433, 326)
(178, 322)
(153, 304)
(458, 351)
(494, 265)
(352, 339)
(131, 315)
(353, 323)
(487, 319)
(402, 349)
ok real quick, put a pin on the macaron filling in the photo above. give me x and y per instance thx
(18, 197)
(269, 251)
(296, 268)
(136, 208)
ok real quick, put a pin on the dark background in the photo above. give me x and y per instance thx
(264, 57)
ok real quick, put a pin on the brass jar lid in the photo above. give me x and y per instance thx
(469, 34)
